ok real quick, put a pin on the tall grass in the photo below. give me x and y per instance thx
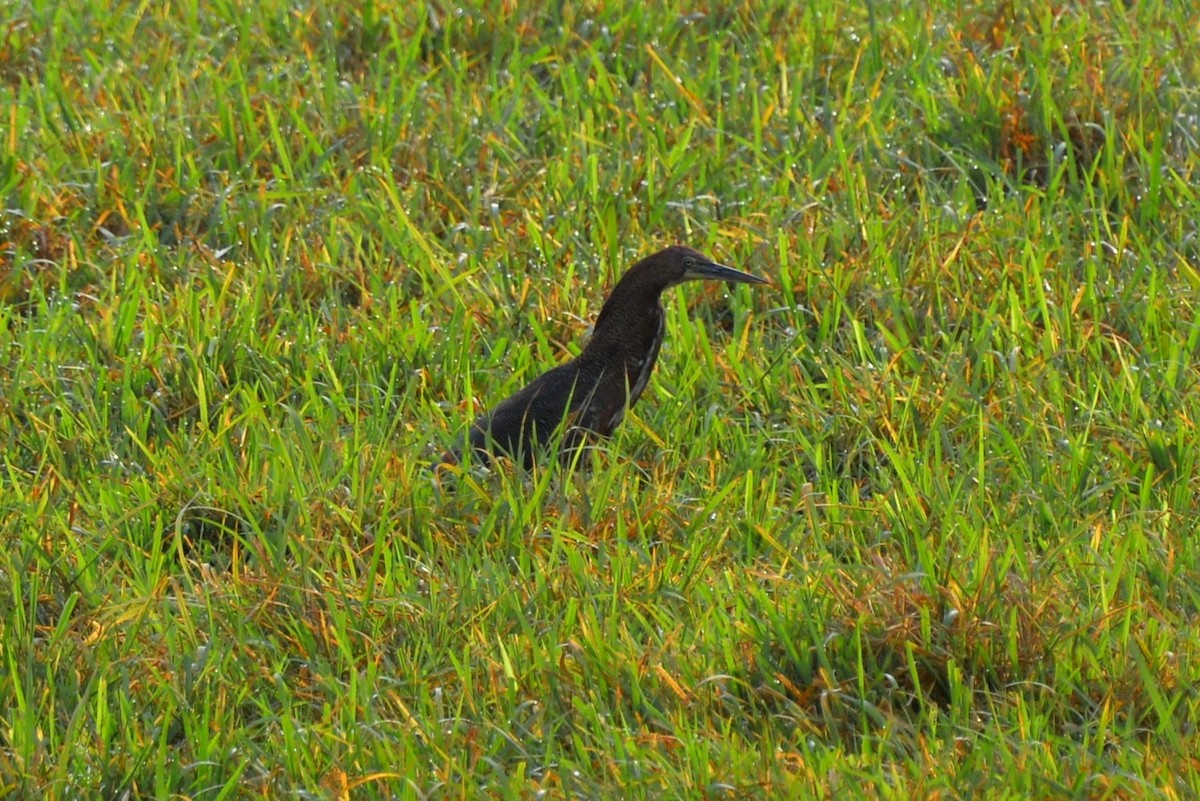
(916, 521)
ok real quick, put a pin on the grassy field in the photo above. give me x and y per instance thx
(916, 521)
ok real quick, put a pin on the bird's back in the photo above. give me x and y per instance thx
(525, 422)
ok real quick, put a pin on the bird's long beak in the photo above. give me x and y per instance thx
(711, 271)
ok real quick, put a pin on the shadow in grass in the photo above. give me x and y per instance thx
(893, 655)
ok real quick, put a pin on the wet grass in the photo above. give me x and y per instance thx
(915, 521)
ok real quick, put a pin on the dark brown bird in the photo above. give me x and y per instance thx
(590, 393)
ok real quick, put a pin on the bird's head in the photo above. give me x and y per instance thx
(695, 266)
(679, 263)
(636, 296)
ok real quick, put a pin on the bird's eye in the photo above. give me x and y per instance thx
(688, 262)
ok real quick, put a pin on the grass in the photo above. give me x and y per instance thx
(915, 521)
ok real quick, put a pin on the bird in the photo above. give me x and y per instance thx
(588, 395)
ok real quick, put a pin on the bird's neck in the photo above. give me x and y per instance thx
(626, 337)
